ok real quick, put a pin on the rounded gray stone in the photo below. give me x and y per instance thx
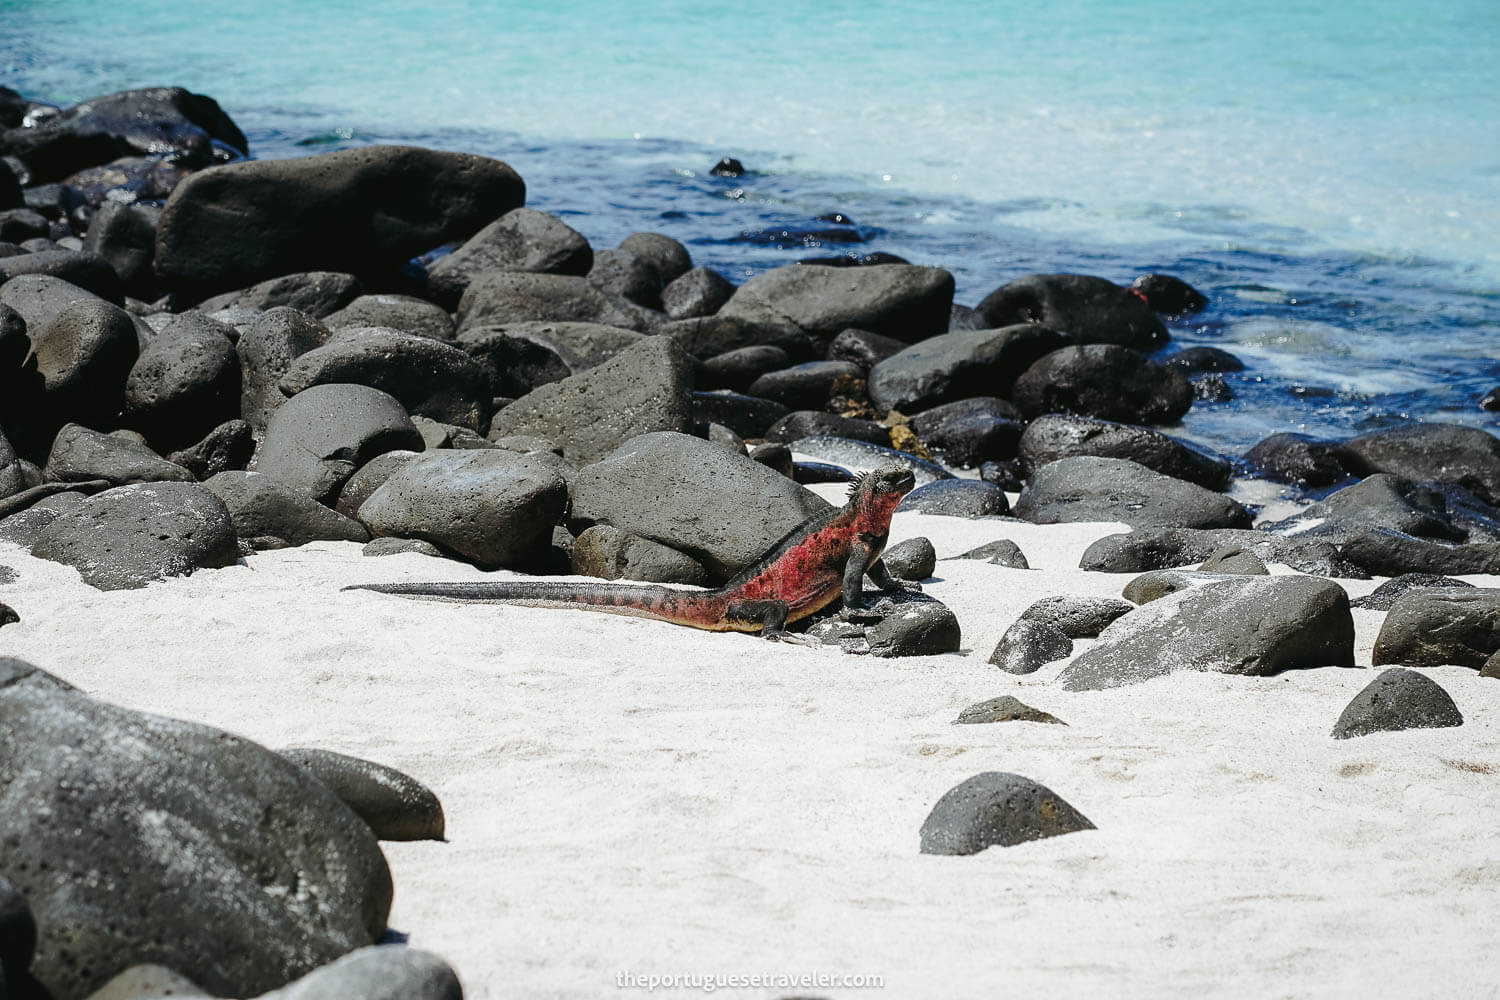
(997, 808)
(317, 439)
(1397, 699)
(393, 804)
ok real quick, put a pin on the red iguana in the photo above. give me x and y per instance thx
(825, 557)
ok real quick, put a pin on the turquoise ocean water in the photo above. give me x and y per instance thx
(1329, 174)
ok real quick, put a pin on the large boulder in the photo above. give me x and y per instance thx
(1104, 381)
(366, 211)
(81, 455)
(88, 271)
(1163, 548)
(125, 237)
(142, 839)
(84, 356)
(262, 508)
(1054, 436)
(318, 438)
(1397, 699)
(267, 348)
(1387, 552)
(955, 366)
(1444, 453)
(722, 509)
(491, 507)
(1390, 503)
(429, 378)
(395, 312)
(498, 298)
(130, 536)
(185, 382)
(1254, 625)
(1298, 459)
(1092, 310)
(522, 239)
(1431, 626)
(645, 388)
(903, 301)
(378, 972)
(1087, 488)
(316, 293)
(191, 128)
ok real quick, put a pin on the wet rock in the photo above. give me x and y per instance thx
(1491, 400)
(612, 554)
(129, 536)
(1379, 501)
(698, 292)
(1077, 617)
(774, 455)
(1203, 359)
(807, 386)
(1252, 625)
(900, 300)
(645, 388)
(266, 350)
(1001, 552)
(394, 312)
(913, 559)
(864, 455)
(1168, 295)
(728, 167)
(366, 211)
(262, 507)
(493, 508)
(1092, 310)
(315, 293)
(1028, 645)
(956, 366)
(997, 808)
(1383, 596)
(427, 377)
(82, 455)
(692, 495)
(1054, 436)
(1006, 708)
(1009, 475)
(747, 416)
(1445, 453)
(1234, 560)
(1103, 381)
(1113, 489)
(971, 432)
(498, 298)
(815, 423)
(107, 812)
(1298, 459)
(318, 438)
(1397, 699)
(956, 498)
(1430, 626)
(522, 239)
(394, 805)
(185, 382)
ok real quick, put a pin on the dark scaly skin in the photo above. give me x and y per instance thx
(820, 560)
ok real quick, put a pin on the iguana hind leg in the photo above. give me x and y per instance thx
(770, 615)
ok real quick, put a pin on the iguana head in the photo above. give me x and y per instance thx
(877, 493)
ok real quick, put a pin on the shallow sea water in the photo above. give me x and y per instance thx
(1329, 177)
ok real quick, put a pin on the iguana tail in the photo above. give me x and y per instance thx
(695, 608)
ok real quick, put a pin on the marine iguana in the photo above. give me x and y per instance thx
(826, 556)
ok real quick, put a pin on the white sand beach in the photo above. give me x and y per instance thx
(627, 798)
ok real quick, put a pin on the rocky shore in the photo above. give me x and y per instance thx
(213, 368)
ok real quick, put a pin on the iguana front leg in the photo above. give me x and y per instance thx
(861, 554)
(886, 581)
